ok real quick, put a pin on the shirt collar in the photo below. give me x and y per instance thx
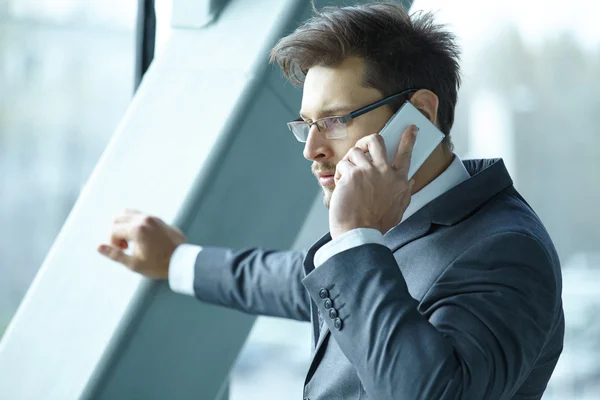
(455, 174)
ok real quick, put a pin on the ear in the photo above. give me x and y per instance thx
(427, 102)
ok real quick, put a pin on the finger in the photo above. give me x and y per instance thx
(375, 146)
(126, 215)
(358, 157)
(120, 243)
(407, 144)
(124, 231)
(343, 167)
(117, 255)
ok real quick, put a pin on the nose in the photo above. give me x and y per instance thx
(317, 146)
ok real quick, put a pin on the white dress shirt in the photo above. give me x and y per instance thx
(183, 261)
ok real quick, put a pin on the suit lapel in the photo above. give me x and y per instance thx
(309, 266)
(318, 353)
(324, 332)
(415, 227)
(319, 335)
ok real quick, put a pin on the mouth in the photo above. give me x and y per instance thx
(325, 178)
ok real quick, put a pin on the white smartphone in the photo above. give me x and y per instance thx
(428, 136)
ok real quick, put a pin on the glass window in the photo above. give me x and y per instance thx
(529, 96)
(66, 78)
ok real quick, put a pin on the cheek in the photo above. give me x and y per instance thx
(358, 131)
(372, 123)
(341, 147)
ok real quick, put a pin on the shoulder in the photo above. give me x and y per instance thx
(506, 221)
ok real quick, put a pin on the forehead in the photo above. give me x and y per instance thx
(337, 86)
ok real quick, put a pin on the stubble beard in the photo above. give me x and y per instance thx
(327, 193)
(327, 190)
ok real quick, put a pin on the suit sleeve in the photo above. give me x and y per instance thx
(253, 281)
(476, 335)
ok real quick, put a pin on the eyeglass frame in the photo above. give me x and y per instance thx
(352, 115)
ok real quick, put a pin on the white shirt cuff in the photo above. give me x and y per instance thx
(182, 268)
(347, 241)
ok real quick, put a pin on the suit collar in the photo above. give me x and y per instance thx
(413, 228)
(488, 178)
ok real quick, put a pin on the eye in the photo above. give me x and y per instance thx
(332, 122)
(336, 129)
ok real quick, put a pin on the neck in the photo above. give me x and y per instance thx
(438, 162)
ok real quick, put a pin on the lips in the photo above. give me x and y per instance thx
(325, 178)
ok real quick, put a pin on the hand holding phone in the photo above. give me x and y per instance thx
(428, 136)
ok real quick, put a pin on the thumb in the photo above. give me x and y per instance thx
(117, 255)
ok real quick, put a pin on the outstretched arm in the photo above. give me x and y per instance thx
(254, 281)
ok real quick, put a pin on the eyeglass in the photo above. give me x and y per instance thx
(335, 127)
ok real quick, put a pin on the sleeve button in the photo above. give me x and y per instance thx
(333, 313)
(323, 293)
(337, 324)
(328, 304)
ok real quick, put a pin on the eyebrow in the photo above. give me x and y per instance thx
(337, 111)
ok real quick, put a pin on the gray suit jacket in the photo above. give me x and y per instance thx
(463, 303)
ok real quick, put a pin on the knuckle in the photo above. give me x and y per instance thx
(148, 221)
(141, 230)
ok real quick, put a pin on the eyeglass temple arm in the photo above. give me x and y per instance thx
(379, 103)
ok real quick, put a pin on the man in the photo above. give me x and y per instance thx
(444, 287)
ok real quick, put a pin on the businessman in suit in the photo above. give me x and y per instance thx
(446, 286)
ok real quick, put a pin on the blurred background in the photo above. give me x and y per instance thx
(531, 78)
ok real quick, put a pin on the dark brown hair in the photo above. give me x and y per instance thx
(400, 51)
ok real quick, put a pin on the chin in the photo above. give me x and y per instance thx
(327, 192)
